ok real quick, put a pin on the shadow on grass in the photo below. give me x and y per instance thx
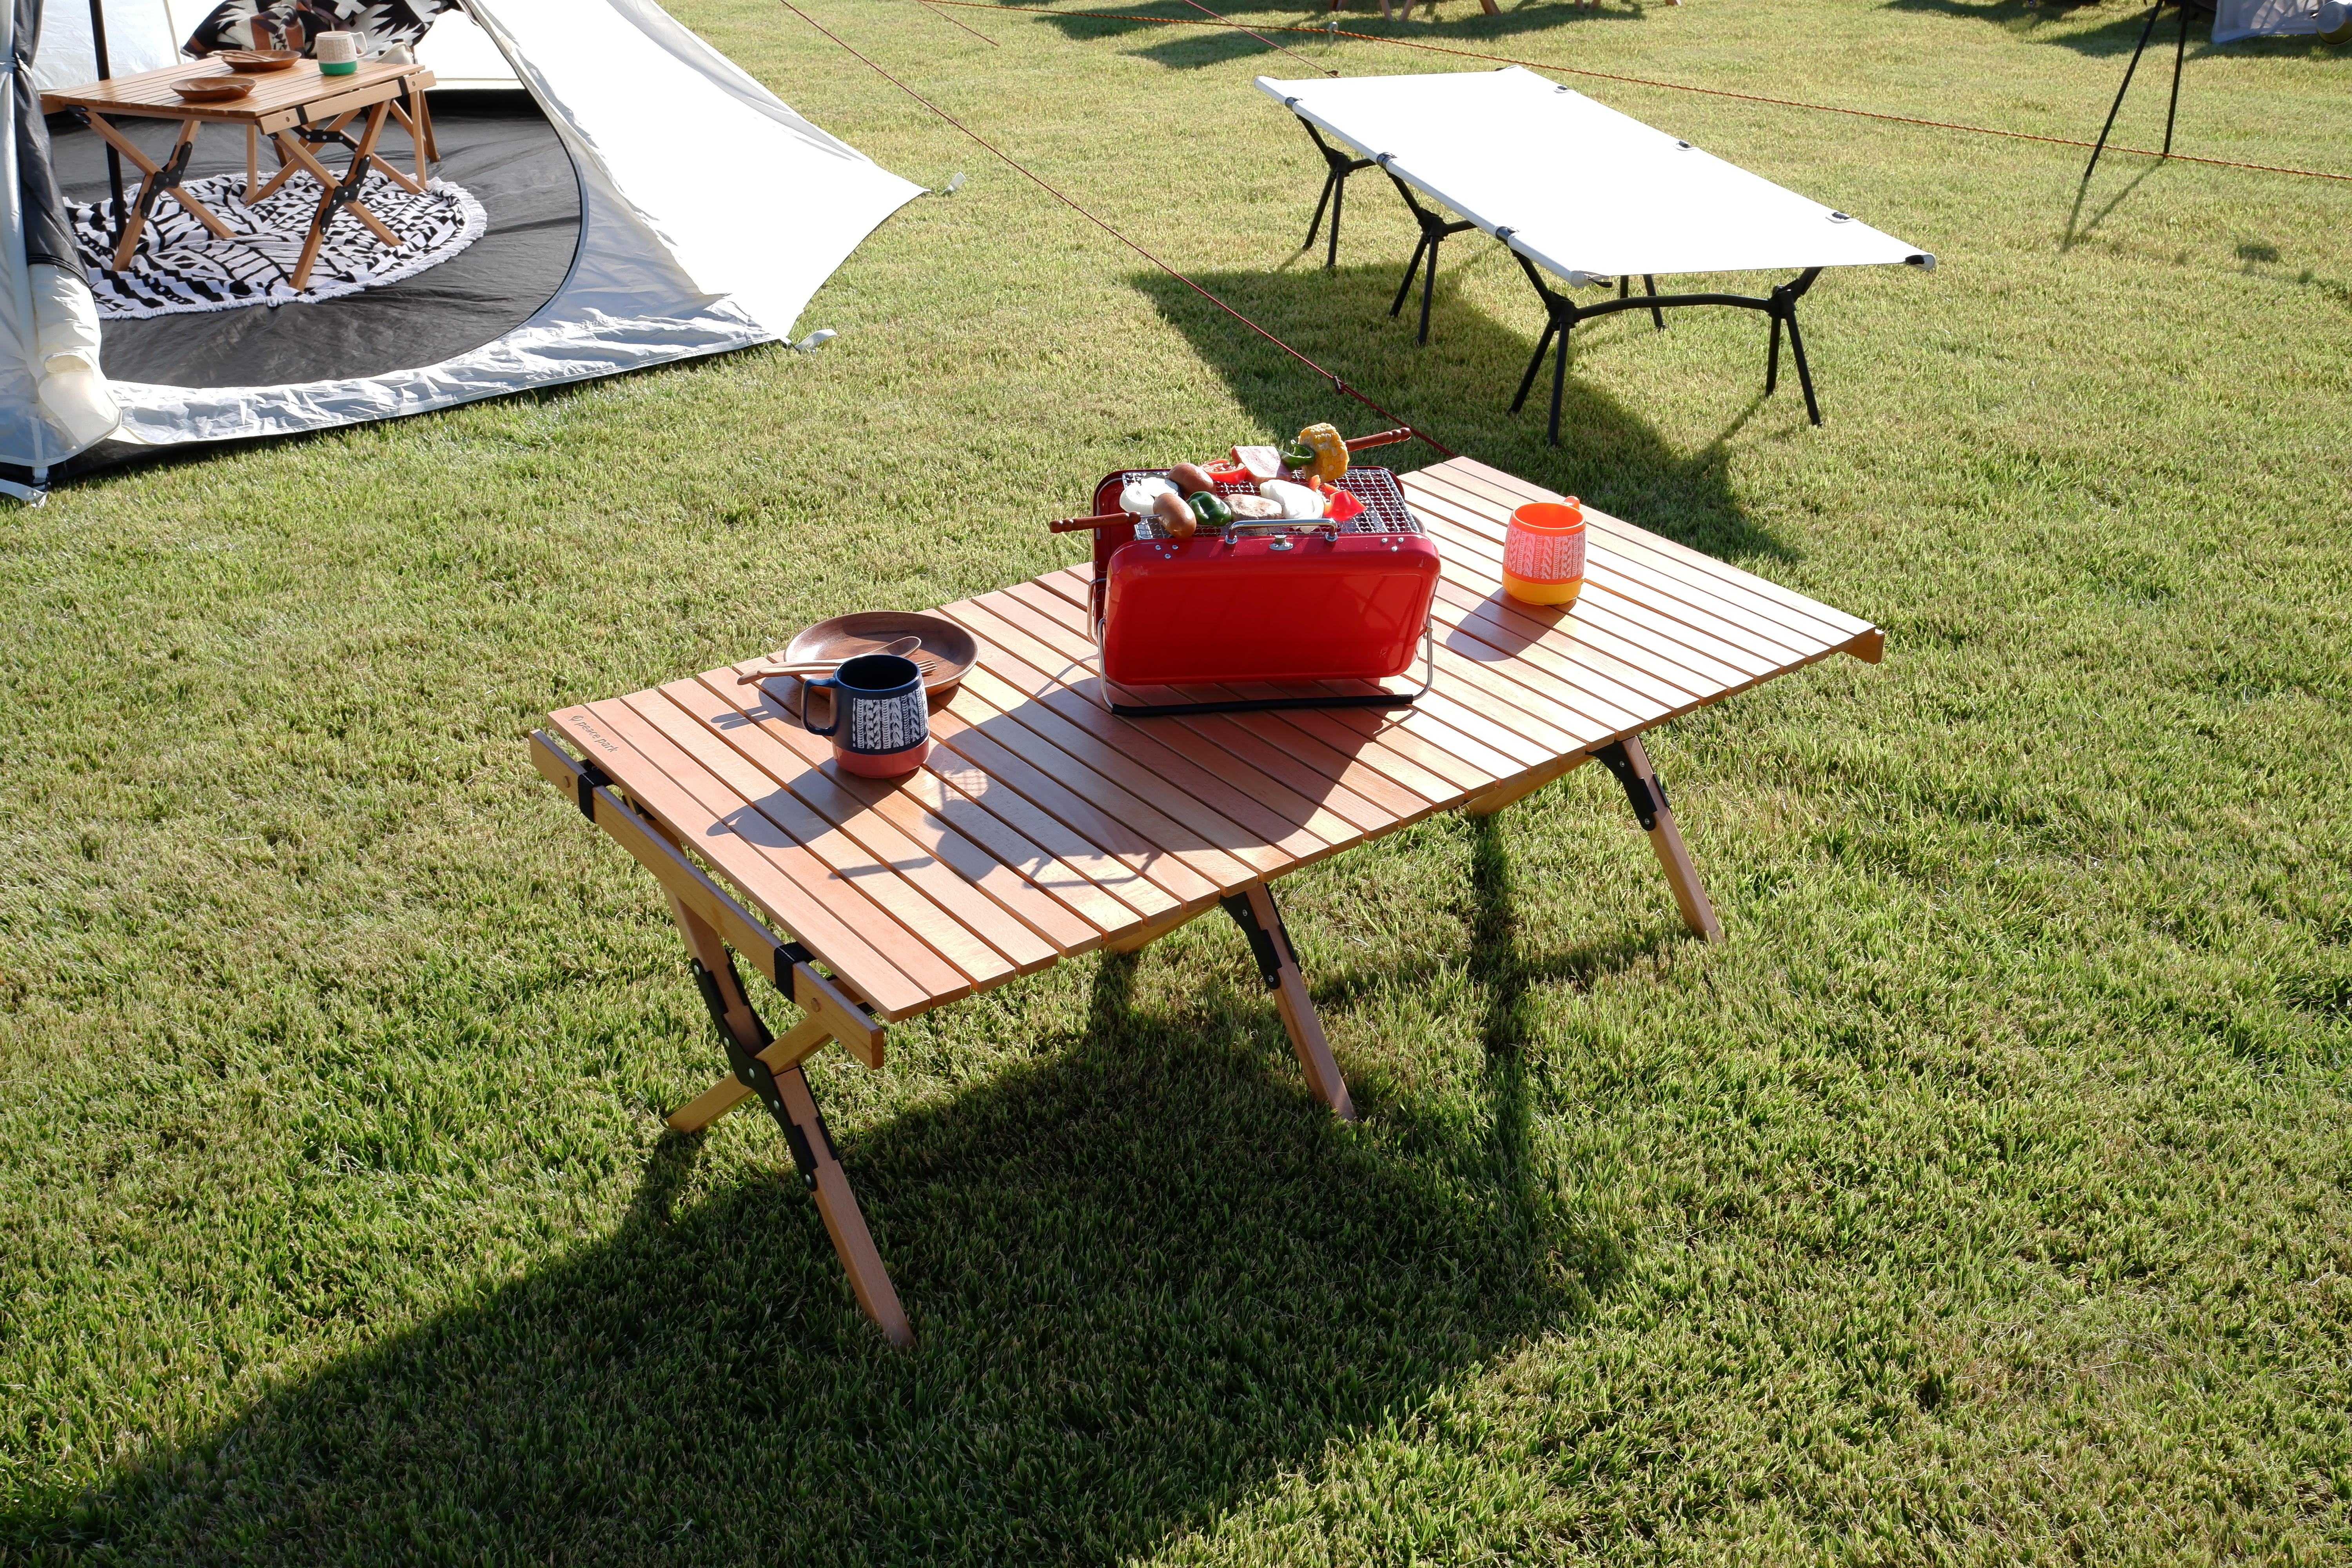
(2117, 34)
(1148, 1274)
(1461, 384)
(1196, 42)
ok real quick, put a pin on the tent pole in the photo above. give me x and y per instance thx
(2117, 107)
(106, 73)
(2179, 52)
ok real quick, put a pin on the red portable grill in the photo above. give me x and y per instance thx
(1255, 603)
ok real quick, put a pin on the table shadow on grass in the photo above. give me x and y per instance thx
(1149, 1275)
(1459, 387)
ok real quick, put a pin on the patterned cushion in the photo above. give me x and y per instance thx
(292, 24)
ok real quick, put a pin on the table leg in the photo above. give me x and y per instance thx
(788, 1099)
(338, 192)
(286, 169)
(252, 160)
(1631, 763)
(1253, 910)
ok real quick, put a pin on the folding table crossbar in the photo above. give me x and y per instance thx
(1044, 824)
(1581, 191)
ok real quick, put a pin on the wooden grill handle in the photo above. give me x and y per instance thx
(1384, 438)
(1079, 524)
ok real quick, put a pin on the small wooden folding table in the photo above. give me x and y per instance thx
(298, 108)
(1044, 824)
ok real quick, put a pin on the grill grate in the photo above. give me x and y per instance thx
(1384, 506)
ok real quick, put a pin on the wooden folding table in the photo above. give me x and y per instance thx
(298, 108)
(1046, 825)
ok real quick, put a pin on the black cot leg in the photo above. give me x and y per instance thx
(1405, 284)
(1772, 358)
(1339, 202)
(1558, 382)
(1657, 316)
(1331, 181)
(1428, 283)
(2117, 108)
(1804, 373)
(2179, 52)
(1527, 381)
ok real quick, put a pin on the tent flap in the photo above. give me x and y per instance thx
(700, 230)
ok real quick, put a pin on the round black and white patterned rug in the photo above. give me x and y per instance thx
(180, 268)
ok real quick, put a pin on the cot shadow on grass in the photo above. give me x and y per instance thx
(1149, 1275)
(1460, 388)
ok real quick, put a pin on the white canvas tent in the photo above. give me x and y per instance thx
(678, 253)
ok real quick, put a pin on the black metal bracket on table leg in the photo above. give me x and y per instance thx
(322, 135)
(1561, 314)
(754, 1075)
(1433, 228)
(1261, 941)
(167, 178)
(1334, 186)
(1647, 796)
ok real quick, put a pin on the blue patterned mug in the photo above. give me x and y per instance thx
(881, 724)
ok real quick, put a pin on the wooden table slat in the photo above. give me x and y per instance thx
(937, 870)
(1219, 849)
(1253, 799)
(896, 895)
(738, 823)
(1616, 543)
(1830, 613)
(843, 950)
(1012, 768)
(1055, 901)
(1669, 635)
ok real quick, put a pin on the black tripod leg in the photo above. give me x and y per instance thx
(1535, 365)
(1772, 359)
(1804, 373)
(1405, 284)
(1428, 282)
(1558, 381)
(2179, 52)
(2117, 108)
(1657, 316)
(1331, 178)
(1338, 202)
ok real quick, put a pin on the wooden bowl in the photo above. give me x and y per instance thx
(211, 89)
(945, 654)
(259, 60)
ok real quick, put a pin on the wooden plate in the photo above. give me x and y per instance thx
(259, 60)
(945, 656)
(211, 89)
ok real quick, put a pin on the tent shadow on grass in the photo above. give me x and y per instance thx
(2116, 35)
(1213, 45)
(1149, 1274)
(1460, 385)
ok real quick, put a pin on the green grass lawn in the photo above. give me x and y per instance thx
(1988, 1198)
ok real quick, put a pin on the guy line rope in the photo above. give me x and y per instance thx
(1336, 383)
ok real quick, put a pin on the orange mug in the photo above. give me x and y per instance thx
(1543, 552)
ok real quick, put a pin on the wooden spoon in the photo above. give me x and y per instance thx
(903, 646)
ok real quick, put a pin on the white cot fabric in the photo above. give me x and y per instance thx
(1586, 193)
